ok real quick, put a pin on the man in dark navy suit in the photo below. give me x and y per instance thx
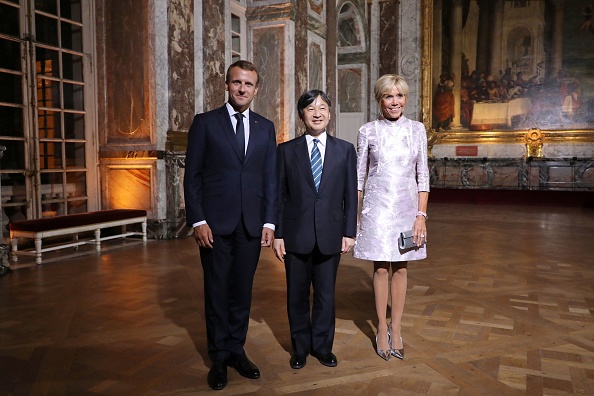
(317, 223)
(230, 190)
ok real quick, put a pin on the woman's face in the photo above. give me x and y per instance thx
(392, 104)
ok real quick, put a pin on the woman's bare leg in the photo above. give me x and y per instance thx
(398, 291)
(381, 274)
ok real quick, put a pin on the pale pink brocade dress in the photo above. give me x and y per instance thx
(393, 156)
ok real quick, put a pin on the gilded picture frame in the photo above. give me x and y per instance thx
(523, 33)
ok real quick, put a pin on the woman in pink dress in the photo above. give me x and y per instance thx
(392, 171)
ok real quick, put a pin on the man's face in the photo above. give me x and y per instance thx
(242, 88)
(316, 116)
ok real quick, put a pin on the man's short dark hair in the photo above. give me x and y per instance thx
(244, 65)
(308, 97)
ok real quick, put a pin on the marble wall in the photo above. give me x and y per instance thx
(213, 53)
(181, 64)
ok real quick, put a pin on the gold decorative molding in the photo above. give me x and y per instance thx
(499, 137)
(534, 141)
(426, 61)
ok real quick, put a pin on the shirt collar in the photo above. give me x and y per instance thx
(232, 111)
(322, 137)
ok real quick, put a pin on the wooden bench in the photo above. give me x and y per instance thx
(74, 224)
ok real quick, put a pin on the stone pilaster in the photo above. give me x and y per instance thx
(181, 64)
(213, 48)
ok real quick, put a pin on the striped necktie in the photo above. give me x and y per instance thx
(316, 164)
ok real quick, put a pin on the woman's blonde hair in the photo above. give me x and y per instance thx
(384, 85)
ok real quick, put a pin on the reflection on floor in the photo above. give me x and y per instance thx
(504, 305)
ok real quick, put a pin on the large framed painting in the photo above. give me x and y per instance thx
(496, 69)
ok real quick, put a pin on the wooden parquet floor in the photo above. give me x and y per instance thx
(504, 305)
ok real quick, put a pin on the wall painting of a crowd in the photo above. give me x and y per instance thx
(511, 65)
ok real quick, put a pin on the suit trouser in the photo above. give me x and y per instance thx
(311, 332)
(229, 269)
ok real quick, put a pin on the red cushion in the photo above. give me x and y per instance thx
(75, 220)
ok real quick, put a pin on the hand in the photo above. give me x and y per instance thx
(279, 249)
(203, 236)
(347, 244)
(420, 230)
(267, 236)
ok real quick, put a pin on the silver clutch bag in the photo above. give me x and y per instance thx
(405, 241)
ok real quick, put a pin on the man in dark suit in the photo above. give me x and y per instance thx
(230, 190)
(317, 223)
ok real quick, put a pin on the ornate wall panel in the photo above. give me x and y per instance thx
(271, 47)
(316, 63)
(351, 96)
(129, 73)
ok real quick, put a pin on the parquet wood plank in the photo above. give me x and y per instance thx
(503, 305)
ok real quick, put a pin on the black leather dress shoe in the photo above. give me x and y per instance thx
(327, 359)
(217, 376)
(244, 366)
(298, 361)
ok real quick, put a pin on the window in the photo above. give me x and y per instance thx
(238, 31)
(44, 169)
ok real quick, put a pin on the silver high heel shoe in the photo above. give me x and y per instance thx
(381, 353)
(397, 353)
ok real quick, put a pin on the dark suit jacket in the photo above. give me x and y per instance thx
(307, 216)
(218, 186)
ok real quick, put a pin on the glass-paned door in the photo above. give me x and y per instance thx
(44, 108)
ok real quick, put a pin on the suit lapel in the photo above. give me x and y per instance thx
(304, 162)
(227, 127)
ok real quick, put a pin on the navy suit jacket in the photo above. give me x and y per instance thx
(218, 186)
(307, 217)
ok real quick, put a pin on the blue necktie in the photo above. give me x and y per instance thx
(240, 134)
(316, 164)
